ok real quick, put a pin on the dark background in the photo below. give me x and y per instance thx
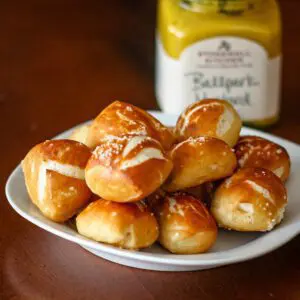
(61, 62)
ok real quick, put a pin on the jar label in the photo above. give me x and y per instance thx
(230, 68)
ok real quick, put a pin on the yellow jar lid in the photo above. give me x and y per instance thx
(226, 6)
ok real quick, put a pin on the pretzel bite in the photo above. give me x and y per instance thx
(126, 225)
(123, 119)
(254, 151)
(54, 178)
(127, 169)
(80, 134)
(210, 117)
(199, 160)
(186, 227)
(253, 199)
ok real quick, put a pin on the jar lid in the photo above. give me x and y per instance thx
(222, 6)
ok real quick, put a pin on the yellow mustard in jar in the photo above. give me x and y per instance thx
(222, 49)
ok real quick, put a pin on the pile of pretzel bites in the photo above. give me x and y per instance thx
(130, 181)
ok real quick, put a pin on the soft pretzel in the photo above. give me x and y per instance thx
(124, 119)
(210, 117)
(54, 177)
(126, 225)
(186, 226)
(199, 160)
(253, 199)
(254, 151)
(127, 169)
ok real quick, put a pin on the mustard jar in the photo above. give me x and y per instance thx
(220, 49)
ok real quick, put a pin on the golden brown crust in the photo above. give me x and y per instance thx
(253, 199)
(199, 160)
(127, 169)
(80, 134)
(123, 119)
(65, 151)
(186, 226)
(54, 177)
(254, 151)
(65, 197)
(209, 117)
(126, 225)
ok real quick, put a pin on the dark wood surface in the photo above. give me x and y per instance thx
(61, 62)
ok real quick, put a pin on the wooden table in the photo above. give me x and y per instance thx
(61, 62)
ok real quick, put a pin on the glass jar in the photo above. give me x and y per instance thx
(222, 49)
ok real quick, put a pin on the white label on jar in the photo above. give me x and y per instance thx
(230, 68)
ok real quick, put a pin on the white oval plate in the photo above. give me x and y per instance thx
(231, 247)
